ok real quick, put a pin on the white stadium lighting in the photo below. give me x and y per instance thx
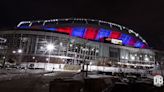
(126, 57)
(19, 50)
(14, 52)
(4, 57)
(146, 59)
(132, 57)
(61, 44)
(79, 44)
(122, 57)
(50, 47)
(71, 45)
(97, 51)
(33, 57)
(47, 59)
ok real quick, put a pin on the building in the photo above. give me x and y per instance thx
(75, 42)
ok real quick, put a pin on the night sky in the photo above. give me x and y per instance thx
(144, 17)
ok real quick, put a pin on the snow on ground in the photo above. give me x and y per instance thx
(19, 73)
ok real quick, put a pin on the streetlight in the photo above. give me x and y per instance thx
(19, 51)
(47, 59)
(14, 52)
(33, 57)
(50, 47)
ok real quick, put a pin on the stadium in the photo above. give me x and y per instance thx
(53, 44)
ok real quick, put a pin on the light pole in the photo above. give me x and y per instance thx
(50, 47)
(19, 52)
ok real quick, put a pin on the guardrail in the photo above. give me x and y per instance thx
(66, 67)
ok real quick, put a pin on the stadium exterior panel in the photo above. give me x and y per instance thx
(75, 42)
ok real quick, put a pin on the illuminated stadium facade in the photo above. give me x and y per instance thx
(76, 41)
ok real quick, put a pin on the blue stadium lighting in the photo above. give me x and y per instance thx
(138, 44)
(125, 39)
(103, 33)
(24, 27)
(50, 29)
(78, 31)
(89, 32)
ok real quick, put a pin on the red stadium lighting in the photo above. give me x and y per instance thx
(115, 35)
(91, 33)
(67, 30)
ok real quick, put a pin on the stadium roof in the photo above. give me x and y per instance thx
(96, 30)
